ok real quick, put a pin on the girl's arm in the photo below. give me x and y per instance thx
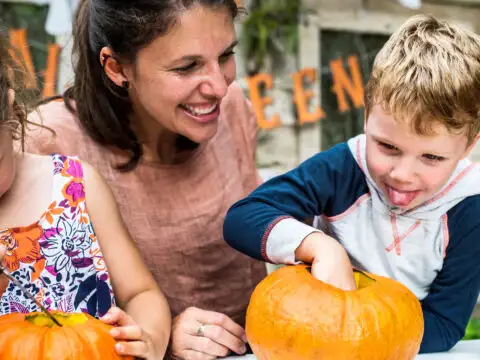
(135, 289)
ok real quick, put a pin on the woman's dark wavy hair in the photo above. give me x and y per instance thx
(126, 26)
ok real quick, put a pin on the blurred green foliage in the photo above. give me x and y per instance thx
(270, 29)
(31, 17)
(473, 329)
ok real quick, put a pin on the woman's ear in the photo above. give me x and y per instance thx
(114, 70)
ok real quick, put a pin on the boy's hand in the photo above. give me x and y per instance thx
(132, 340)
(330, 262)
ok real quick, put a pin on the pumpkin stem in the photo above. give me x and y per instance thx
(362, 279)
(27, 294)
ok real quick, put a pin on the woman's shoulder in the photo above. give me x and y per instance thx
(54, 115)
(53, 128)
(238, 113)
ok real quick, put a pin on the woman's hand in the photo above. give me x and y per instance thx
(205, 335)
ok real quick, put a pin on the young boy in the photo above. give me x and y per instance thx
(400, 200)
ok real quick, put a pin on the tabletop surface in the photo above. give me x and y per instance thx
(464, 350)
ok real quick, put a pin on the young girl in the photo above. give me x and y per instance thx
(63, 238)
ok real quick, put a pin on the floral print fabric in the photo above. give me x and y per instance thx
(57, 259)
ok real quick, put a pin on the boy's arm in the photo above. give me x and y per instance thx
(452, 297)
(269, 223)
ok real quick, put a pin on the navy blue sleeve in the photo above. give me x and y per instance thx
(452, 297)
(328, 183)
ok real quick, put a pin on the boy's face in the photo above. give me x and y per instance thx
(410, 168)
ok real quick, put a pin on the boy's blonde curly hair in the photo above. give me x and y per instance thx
(427, 73)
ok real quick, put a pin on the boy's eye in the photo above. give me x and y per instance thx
(387, 146)
(432, 157)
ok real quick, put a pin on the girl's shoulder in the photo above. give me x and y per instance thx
(53, 164)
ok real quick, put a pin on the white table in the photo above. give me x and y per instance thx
(464, 350)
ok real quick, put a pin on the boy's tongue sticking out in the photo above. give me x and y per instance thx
(401, 198)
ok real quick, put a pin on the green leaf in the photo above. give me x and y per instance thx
(473, 330)
(271, 29)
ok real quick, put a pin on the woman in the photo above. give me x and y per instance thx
(155, 108)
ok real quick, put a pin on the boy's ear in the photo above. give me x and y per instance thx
(471, 146)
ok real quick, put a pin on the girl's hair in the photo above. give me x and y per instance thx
(12, 75)
(126, 26)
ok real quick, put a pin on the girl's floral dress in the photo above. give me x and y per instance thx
(58, 258)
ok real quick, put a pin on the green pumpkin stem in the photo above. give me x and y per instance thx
(27, 294)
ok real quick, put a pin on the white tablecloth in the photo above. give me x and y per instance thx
(464, 350)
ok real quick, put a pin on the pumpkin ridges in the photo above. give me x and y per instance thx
(395, 328)
(41, 343)
(308, 289)
(9, 318)
(64, 342)
(104, 348)
(402, 301)
(399, 300)
(86, 335)
(16, 349)
(38, 333)
(381, 325)
(284, 306)
(20, 339)
(91, 336)
(412, 322)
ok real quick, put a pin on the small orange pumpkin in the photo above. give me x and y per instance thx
(293, 316)
(81, 336)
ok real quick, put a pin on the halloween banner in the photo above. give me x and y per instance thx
(347, 83)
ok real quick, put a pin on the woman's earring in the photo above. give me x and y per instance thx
(104, 59)
(125, 85)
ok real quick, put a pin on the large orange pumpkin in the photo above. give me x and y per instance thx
(34, 335)
(293, 316)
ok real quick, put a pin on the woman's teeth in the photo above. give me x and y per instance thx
(200, 111)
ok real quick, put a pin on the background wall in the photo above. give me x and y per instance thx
(336, 29)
